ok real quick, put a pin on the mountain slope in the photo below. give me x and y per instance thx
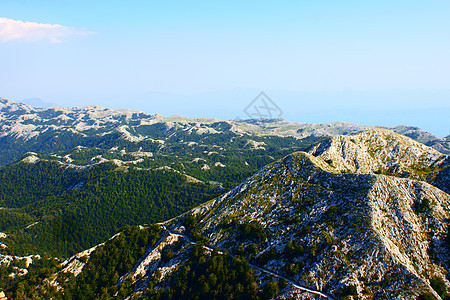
(384, 152)
(57, 209)
(386, 231)
(306, 228)
(24, 128)
(103, 166)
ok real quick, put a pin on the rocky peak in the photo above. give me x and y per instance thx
(380, 151)
(388, 231)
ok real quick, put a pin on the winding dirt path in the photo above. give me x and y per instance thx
(293, 283)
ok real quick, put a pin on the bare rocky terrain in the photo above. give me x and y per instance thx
(327, 221)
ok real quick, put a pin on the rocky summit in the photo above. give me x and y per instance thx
(355, 217)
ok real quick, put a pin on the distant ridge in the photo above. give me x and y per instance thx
(23, 125)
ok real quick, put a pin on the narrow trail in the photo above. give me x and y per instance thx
(293, 283)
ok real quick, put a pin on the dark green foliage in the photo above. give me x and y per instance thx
(71, 220)
(78, 208)
(293, 249)
(50, 141)
(212, 276)
(190, 222)
(13, 219)
(271, 290)
(350, 291)
(305, 230)
(438, 284)
(426, 296)
(247, 231)
(73, 209)
(266, 256)
(37, 271)
(111, 261)
(99, 277)
(167, 255)
(293, 268)
(382, 171)
(253, 230)
(422, 207)
(331, 211)
(283, 283)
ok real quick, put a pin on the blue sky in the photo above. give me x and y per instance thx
(377, 63)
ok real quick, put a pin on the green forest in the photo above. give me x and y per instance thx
(68, 220)
(204, 275)
(76, 196)
(55, 208)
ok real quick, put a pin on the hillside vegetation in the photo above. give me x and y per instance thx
(322, 223)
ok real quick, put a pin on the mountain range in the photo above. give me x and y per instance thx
(323, 223)
(47, 130)
(269, 209)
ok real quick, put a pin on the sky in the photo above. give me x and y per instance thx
(369, 62)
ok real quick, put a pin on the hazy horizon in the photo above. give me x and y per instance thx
(408, 109)
(377, 63)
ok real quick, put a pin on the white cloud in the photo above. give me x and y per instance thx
(32, 31)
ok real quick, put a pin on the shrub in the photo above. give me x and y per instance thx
(331, 211)
(293, 269)
(426, 296)
(350, 290)
(293, 249)
(167, 255)
(253, 230)
(422, 207)
(438, 284)
(271, 290)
